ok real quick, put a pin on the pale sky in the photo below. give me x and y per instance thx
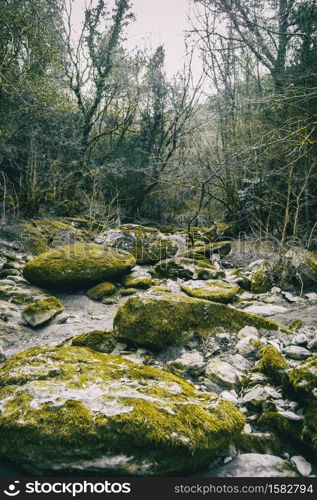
(158, 22)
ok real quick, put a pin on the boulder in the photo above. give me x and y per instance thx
(181, 267)
(157, 320)
(147, 244)
(70, 409)
(77, 266)
(42, 311)
(215, 290)
(222, 373)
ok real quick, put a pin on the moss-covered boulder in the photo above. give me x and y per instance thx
(69, 409)
(42, 311)
(181, 267)
(215, 290)
(203, 252)
(101, 291)
(77, 266)
(97, 340)
(157, 320)
(147, 244)
(138, 278)
(272, 363)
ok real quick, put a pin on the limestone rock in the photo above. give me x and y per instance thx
(72, 409)
(42, 311)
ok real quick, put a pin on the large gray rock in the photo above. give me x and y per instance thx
(72, 409)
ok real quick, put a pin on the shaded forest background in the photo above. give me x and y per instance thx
(88, 129)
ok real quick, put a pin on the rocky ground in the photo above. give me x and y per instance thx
(171, 355)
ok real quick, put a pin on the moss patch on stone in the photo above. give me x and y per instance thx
(181, 267)
(272, 363)
(98, 340)
(214, 290)
(99, 292)
(203, 252)
(261, 281)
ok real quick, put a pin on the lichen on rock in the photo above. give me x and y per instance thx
(99, 292)
(215, 290)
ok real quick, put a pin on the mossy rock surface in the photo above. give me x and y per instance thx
(303, 380)
(138, 278)
(181, 267)
(42, 311)
(161, 319)
(70, 409)
(272, 363)
(147, 244)
(99, 292)
(203, 252)
(77, 266)
(261, 280)
(97, 340)
(215, 290)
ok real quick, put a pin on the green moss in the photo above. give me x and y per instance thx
(99, 292)
(302, 380)
(137, 411)
(78, 265)
(51, 303)
(280, 425)
(157, 320)
(214, 290)
(272, 364)
(135, 280)
(98, 340)
(261, 281)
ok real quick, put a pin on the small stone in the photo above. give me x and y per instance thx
(240, 362)
(230, 396)
(311, 296)
(296, 352)
(290, 297)
(301, 464)
(246, 331)
(191, 362)
(300, 339)
(248, 345)
(312, 345)
(221, 373)
(258, 395)
(247, 428)
(290, 415)
(42, 311)
(276, 289)
(266, 310)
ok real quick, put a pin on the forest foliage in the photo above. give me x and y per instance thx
(89, 129)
